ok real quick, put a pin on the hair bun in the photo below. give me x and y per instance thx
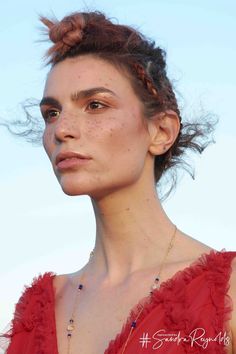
(65, 33)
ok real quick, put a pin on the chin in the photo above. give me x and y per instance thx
(73, 190)
(71, 186)
(72, 193)
(76, 187)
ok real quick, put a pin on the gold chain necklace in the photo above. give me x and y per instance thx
(71, 326)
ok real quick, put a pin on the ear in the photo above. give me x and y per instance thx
(163, 130)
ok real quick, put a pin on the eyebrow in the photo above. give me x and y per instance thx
(90, 92)
(76, 96)
(48, 100)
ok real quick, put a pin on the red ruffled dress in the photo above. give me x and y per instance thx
(189, 313)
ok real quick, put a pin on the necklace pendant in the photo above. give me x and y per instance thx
(156, 284)
(70, 327)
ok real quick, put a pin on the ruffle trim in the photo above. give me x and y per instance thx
(171, 294)
(4, 339)
(34, 311)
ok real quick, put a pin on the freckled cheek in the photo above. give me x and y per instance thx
(125, 133)
(129, 142)
(114, 133)
(100, 130)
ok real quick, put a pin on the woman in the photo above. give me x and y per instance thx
(112, 130)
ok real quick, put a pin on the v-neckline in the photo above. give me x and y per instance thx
(146, 302)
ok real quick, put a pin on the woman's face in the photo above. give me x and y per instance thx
(95, 135)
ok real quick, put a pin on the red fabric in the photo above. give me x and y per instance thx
(193, 300)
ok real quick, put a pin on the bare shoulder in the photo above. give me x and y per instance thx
(63, 281)
(189, 249)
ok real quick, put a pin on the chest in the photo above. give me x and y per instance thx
(97, 320)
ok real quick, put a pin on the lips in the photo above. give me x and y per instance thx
(68, 159)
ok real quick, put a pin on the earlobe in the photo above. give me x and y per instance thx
(163, 129)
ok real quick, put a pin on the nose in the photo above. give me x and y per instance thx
(66, 127)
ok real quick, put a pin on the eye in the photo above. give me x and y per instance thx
(95, 105)
(50, 114)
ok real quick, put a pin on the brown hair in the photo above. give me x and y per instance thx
(93, 33)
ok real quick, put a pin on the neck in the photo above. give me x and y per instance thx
(132, 233)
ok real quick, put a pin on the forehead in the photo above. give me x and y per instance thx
(85, 72)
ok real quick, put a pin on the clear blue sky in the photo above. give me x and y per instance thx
(41, 228)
